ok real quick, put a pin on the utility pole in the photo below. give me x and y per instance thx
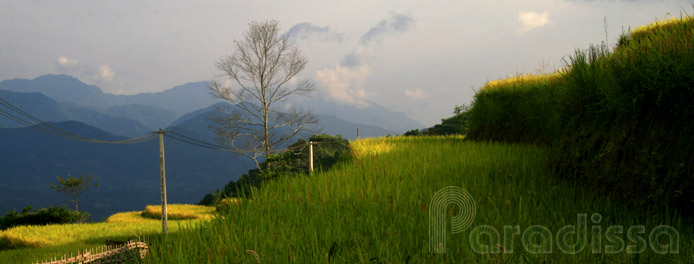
(310, 156)
(357, 133)
(164, 216)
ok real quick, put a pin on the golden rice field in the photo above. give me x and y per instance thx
(179, 211)
(30, 243)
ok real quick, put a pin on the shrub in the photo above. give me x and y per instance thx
(327, 151)
(44, 216)
(619, 123)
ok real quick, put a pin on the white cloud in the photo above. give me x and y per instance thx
(67, 62)
(106, 72)
(530, 20)
(416, 94)
(88, 73)
(344, 84)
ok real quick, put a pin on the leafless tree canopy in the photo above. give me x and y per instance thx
(257, 76)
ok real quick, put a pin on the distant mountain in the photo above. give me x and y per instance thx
(328, 124)
(47, 109)
(333, 125)
(150, 116)
(128, 175)
(373, 115)
(63, 88)
(189, 97)
(181, 99)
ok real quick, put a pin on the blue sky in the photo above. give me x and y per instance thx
(419, 57)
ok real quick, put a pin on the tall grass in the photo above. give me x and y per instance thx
(619, 121)
(374, 209)
(517, 109)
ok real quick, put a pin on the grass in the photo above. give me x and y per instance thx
(179, 211)
(523, 79)
(375, 209)
(31, 243)
(617, 121)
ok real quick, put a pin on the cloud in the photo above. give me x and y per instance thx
(416, 94)
(395, 23)
(87, 73)
(67, 62)
(306, 30)
(345, 84)
(531, 20)
(106, 72)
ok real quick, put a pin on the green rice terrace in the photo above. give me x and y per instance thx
(590, 164)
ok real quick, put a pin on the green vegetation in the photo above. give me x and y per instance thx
(617, 122)
(74, 187)
(455, 125)
(179, 211)
(327, 151)
(52, 215)
(24, 244)
(374, 209)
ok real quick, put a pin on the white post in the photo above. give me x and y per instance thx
(310, 156)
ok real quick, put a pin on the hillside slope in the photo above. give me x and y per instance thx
(376, 208)
(618, 121)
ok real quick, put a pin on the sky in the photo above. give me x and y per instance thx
(418, 57)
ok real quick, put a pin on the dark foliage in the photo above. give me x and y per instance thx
(327, 151)
(52, 215)
(455, 125)
(619, 123)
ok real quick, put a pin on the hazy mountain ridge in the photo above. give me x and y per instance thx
(128, 174)
(63, 88)
(190, 97)
(47, 109)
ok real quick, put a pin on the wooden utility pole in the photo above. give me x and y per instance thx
(357, 133)
(164, 215)
(310, 156)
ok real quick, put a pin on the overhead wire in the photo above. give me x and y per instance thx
(36, 123)
(45, 127)
(189, 140)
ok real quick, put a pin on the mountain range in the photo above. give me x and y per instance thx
(129, 174)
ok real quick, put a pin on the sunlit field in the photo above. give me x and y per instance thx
(30, 243)
(375, 208)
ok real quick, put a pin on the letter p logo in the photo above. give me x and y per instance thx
(450, 195)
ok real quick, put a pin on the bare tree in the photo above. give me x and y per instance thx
(258, 76)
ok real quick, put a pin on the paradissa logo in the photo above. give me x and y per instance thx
(537, 239)
(572, 239)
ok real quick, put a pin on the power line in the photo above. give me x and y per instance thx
(196, 142)
(45, 127)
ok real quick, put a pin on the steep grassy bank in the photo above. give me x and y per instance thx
(375, 209)
(619, 122)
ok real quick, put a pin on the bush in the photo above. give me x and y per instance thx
(518, 109)
(52, 215)
(619, 123)
(327, 151)
(455, 125)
